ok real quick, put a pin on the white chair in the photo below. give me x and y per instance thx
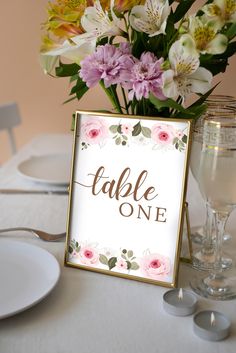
(9, 118)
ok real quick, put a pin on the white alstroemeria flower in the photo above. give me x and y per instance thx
(224, 11)
(74, 49)
(204, 33)
(48, 62)
(150, 18)
(95, 20)
(185, 76)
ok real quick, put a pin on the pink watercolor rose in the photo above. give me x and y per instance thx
(162, 134)
(74, 254)
(126, 129)
(89, 255)
(179, 134)
(94, 131)
(121, 264)
(155, 266)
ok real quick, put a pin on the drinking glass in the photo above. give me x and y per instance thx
(216, 179)
(203, 237)
(203, 254)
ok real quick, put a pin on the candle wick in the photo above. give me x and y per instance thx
(180, 295)
(213, 320)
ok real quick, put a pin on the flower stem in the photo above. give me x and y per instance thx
(112, 95)
(116, 99)
(144, 107)
(125, 100)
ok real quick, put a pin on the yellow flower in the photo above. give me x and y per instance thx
(47, 44)
(205, 34)
(126, 5)
(221, 10)
(64, 17)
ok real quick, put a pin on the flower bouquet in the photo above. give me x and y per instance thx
(148, 56)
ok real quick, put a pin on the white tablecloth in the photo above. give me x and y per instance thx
(89, 312)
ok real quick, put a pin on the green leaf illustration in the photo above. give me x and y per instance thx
(185, 139)
(119, 129)
(103, 259)
(134, 266)
(70, 249)
(137, 129)
(113, 128)
(146, 131)
(130, 253)
(112, 262)
(175, 140)
(128, 265)
(118, 141)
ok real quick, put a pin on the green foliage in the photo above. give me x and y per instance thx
(177, 110)
(231, 31)
(67, 70)
(181, 10)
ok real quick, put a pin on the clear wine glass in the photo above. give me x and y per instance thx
(203, 236)
(216, 178)
(203, 255)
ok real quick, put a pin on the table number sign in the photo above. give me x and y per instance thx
(127, 196)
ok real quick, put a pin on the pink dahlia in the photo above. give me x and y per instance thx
(107, 64)
(145, 77)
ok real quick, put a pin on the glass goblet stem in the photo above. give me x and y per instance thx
(208, 247)
(216, 283)
(220, 219)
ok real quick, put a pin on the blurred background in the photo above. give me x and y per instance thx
(40, 97)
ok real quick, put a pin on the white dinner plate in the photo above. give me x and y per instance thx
(27, 275)
(50, 169)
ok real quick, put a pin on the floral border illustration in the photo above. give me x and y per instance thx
(150, 265)
(96, 131)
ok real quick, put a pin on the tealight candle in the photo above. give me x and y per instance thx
(211, 325)
(179, 302)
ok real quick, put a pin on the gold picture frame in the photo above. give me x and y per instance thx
(127, 196)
